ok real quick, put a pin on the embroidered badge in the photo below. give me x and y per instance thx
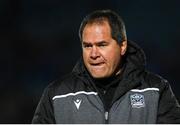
(137, 100)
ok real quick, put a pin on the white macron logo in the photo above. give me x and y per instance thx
(77, 102)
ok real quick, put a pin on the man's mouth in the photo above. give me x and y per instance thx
(97, 64)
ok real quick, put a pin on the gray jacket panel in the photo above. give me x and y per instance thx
(86, 107)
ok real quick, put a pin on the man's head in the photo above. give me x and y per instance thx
(104, 42)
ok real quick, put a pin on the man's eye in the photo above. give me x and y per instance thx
(87, 45)
(102, 45)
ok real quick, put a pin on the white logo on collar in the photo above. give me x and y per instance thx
(77, 102)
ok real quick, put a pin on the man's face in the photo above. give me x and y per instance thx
(101, 53)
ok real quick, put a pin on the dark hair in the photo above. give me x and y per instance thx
(116, 23)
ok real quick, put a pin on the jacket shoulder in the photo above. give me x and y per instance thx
(61, 85)
(44, 111)
(155, 80)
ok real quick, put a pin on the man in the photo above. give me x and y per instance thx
(109, 84)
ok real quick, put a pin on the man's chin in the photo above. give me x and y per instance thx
(98, 76)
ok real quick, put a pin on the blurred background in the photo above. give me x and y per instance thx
(39, 43)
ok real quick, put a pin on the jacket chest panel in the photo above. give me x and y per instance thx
(135, 107)
(79, 107)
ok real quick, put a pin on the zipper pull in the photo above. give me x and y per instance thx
(106, 115)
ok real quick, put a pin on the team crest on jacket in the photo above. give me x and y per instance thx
(137, 100)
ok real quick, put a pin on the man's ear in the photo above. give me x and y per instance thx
(123, 47)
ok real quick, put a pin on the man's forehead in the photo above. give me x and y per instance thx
(96, 33)
(97, 23)
(97, 28)
(99, 20)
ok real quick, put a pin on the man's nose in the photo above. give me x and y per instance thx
(94, 53)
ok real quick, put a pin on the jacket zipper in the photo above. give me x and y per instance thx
(106, 116)
(106, 113)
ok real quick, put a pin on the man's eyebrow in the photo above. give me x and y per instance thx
(102, 42)
(96, 43)
(86, 42)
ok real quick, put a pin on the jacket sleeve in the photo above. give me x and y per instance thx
(44, 112)
(169, 108)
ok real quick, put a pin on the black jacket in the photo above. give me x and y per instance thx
(140, 97)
